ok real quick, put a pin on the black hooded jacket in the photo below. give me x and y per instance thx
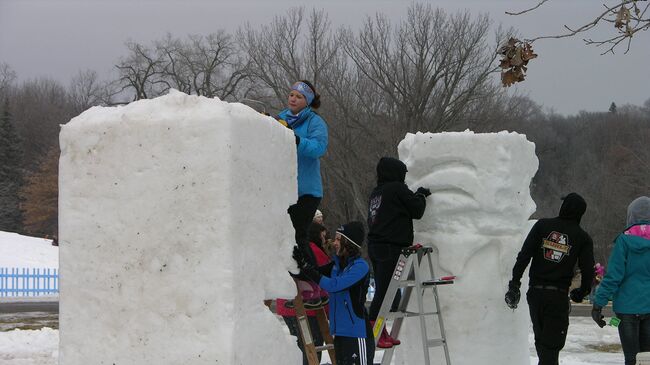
(555, 246)
(392, 206)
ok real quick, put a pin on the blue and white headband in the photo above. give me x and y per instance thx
(305, 90)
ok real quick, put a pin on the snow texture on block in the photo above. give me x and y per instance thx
(173, 230)
(476, 219)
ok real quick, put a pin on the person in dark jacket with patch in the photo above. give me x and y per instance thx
(346, 279)
(555, 245)
(392, 207)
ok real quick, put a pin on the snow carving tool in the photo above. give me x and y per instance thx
(304, 330)
(408, 275)
(264, 107)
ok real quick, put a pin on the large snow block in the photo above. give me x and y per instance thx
(173, 230)
(476, 220)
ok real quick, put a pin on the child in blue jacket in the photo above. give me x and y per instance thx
(346, 280)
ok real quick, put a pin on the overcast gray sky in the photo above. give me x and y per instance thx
(57, 38)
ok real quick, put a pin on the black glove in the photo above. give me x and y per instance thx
(311, 272)
(423, 191)
(513, 295)
(597, 316)
(297, 139)
(577, 295)
(299, 257)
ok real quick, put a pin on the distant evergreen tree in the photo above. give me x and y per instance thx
(11, 178)
(612, 108)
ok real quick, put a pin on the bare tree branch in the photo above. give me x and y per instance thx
(527, 10)
(626, 16)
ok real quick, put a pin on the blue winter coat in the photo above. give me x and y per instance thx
(312, 130)
(347, 289)
(627, 280)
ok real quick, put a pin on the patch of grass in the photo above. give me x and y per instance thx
(28, 321)
(606, 347)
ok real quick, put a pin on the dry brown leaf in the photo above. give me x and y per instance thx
(516, 55)
(622, 17)
(516, 60)
(508, 78)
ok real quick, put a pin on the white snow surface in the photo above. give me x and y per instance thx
(475, 219)
(31, 347)
(19, 251)
(40, 347)
(173, 230)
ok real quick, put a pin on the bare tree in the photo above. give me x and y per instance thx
(429, 72)
(216, 68)
(209, 65)
(289, 49)
(431, 68)
(7, 77)
(646, 107)
(176, 69)
(86, 90)
(140, 70)
(39, 106)
(628, 17)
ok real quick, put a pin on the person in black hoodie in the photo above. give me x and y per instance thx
(555, 246)
(392, 207)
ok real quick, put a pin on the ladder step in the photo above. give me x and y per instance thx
(437, 282)
(406, 283)
(394, 315)
(436, 342)
(324, 348)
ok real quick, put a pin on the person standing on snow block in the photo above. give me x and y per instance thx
(310, 131)
(391, 209)
(555, 246)
(628, 282)
(346, 280)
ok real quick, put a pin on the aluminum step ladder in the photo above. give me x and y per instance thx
(407, 275)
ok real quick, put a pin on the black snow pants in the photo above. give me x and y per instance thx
(302, 215)
(383, 257)
(549, 312)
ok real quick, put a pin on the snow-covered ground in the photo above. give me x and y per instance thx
(27, 252)
(586, 345)
(29, 347)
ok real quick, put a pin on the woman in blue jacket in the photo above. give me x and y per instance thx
(628, 282)
(346, 280)
(311, 144)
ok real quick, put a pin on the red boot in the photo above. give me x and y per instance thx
(394, 341)
(384, 340)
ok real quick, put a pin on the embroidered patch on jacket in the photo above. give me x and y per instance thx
(556, 246)
(373, 209)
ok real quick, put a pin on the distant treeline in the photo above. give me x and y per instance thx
(432, 71)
